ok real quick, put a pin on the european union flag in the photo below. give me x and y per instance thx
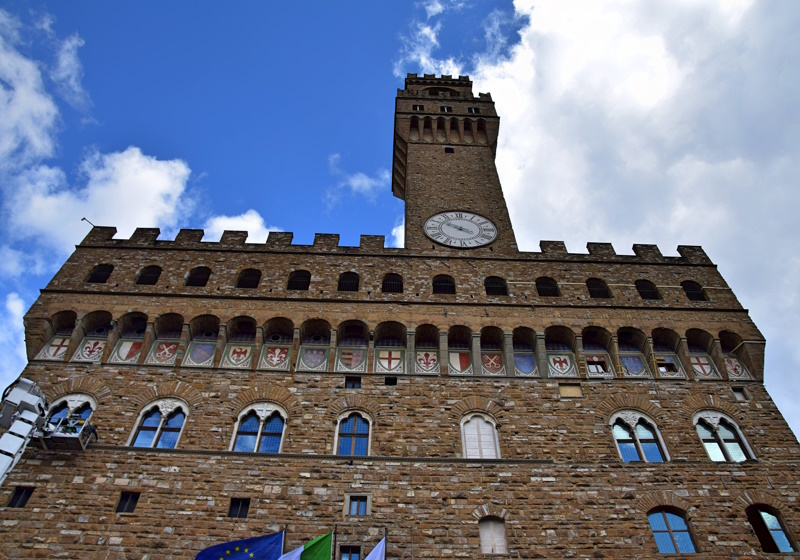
(268, 547)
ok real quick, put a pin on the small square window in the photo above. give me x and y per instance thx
(445, 109)
(449, 150)
(239, 507)
(350, 552)
(20, 496)
(741, 394)
(474, 110)
(358, 505)
(570, 390)
(353, 382)
(127, 502)
(390, 381)
(418, 108)
(596, 365)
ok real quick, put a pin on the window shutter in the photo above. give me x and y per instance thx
(472, 448)
(488, 448)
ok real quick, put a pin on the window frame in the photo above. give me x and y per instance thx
(495, 286)
(647, 290)
(495, 438)
(663, 511)
(443, 281)
(631, 419)
(194, 281)
(264, 411)
(350, 550)
(543, 284)
(100, 273)
(20, 497)
(763, 531)
(393, 281)
(166, 408)
(127, 502)
(490, 525)
(344, 416)
(713, 419)
(299, 278)
(357, 500)
(598, 288)
(248, 279)
(74, 402)
(349, 281)
(149, 275)
(236, 506)
(694, 291)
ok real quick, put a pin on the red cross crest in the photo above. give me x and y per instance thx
(56, 350)
(389, 359)
(702, 366)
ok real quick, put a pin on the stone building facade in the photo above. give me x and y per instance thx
(466, 398)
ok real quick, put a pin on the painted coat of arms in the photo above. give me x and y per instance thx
(633, 366)
(351, 359)
(492, 364)
(90, 350)
(55, 350)
(163, 353)
(274, 358)
(126, 352)
(561, 365)
(427, 362)
(389, 361)
(200, 354)
(459, 363)
(525, 364)
(703, 368)
(735, 369)
(313, 359)
(238, 356)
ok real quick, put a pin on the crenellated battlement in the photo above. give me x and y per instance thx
(192, 239)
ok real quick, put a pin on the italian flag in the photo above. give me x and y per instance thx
(318, 549)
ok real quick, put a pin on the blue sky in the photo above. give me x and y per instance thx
(668, 122)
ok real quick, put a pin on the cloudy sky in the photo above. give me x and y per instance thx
(668, 122)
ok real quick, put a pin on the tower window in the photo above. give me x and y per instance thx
(299, 280)
(20, 496)
(249, 278)
(445, 109)
(392, 284)
(547, 287)
(597, 289)
(149, 275)
(352, 382)
(444, 284)
(694, 291)
(474, 110)
(418, 107)
(198, 276)
(127, 502)
(348, 282)
(647, 289)
(495, 286)
(449, 150)
(100, 274)
(239, 507)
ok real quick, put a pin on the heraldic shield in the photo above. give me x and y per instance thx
(736, 369)
(525, 364)
(200, 354)
(390, 361)
(313, 359)
(90, 350)
(633, 366)
(56, 350)
(427, 361)
(351, 359)
(275, 358)
(459, 363)
(561, 365)
(492, 363)
(163, 353)
(703, 368)
(126, 352)
(238, 356)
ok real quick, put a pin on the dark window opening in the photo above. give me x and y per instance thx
(390, 381)
(444, 284)
(239, 507)
(665, 366)
(647, 289)
(495, 286)
(20, 496)
(127, 502)
(392, 283)
(249, 278)
(449, 150)
(348, 282)
(694, 291)
(350, 552)
(198, 276)
(149, 276)
(446, 109)
(417, 107)
(597, 288)
(769, 529)
(100, 274)
(299, 280)
(353, 382)
(474, 110)
(547, 287)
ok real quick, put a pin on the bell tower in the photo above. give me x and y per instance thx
(445, 139)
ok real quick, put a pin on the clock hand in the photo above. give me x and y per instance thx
(459, 228)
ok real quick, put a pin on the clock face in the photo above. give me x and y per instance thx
(462, 230)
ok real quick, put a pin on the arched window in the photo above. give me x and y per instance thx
(100, 273)
(647, 289)
(547, 287)
(148, 276)
(597, 289)
(299, 280)
(160, 426)
(392, 284)
(479, 437)
(348, 282)
(493, 535)
(694, 291)
(637, 438)
(495, 286)
(198, 276)
(444, 284)
(721, 438)
(249, 278)
(769, 528)
(70, 415)
(671, 531)
(353, 436)
(260, 430)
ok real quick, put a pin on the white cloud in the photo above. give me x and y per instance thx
(399, 235)
(68, 72)
(251, 222)
(358, 183)
(12, 339)
(124, 189)
(417, 53)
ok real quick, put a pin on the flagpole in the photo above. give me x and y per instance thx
(385, 542)
(333, 543)
(283, 541)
